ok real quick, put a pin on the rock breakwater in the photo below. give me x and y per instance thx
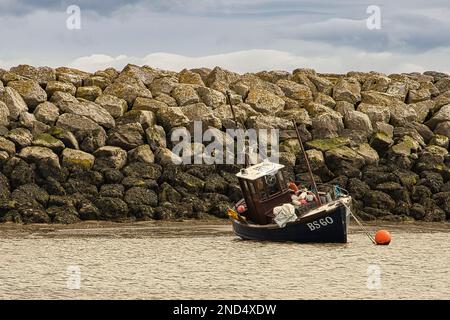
(96, 146)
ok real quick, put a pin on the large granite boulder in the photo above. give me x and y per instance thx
(90, 110)
(30, 90)
(264, 101)
(14, 101)
(89, 134)
(77, 158)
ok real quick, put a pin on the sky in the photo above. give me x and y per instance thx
(240, 35)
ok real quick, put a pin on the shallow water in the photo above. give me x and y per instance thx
(208, 262)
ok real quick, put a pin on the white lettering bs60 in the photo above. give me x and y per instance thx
(317, 224)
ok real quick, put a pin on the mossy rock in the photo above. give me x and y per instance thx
(328, 144)
(77, 158)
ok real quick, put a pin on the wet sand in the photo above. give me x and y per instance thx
(185, 228)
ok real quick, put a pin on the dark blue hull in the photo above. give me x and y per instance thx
(327, 225)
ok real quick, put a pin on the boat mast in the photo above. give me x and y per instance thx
(311, 176)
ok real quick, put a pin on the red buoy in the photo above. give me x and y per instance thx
(382, 237)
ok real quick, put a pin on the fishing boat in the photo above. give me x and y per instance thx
(264, 190)
(272, 210)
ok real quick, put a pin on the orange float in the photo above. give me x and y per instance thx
(382, 237)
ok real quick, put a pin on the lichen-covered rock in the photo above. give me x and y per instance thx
(20, 136)
(441, 116)
(443, 129)
(48, 141)
(185, 94)
(328, 101)
(4, 114)
(41, 74)
(142, 170)
(71, 75)
(376, 82)
(148, 104)
(97, 81)
(14, 101)
(220, 79)
(88, 93)
(200, 112)
(418, 95)
(375, 113)
(328, 144)
(242, 111)
(370, 156)
(327, 125)
(337, 156)
(7, 145)
(163, 86)
(90, 110)
(167, 99)
(264, 101)
(156, 137)
(110, 157)
(128, 91)
(165, 157)
(47, 113)
(441, 141)
(343, 107)
(112, 190)
(344, 161)
(28, 120)
(356, 120)
(189, 77)
(171, 118)
(402, 114)
(347, 89)
(37, 154)
(59, 86)
(30, 90)
(142, 153)
(422, 109)
(406, 146)
(398, 90)
(127, 136)
(212, 98)
(89, 134)
(316, 158)
(298, 92)
(300, 116)
(77, 158)
(321, 84)
(143, 117)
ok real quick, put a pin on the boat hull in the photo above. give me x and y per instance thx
(327, 225)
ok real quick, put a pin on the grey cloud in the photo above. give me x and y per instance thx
(35, 31)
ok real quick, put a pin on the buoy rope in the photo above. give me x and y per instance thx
(359, 223)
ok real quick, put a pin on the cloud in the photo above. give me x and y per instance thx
(329, 36)
(340, 61)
